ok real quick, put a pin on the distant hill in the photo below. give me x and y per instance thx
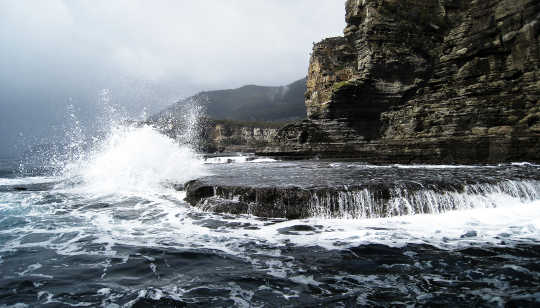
(248, 103)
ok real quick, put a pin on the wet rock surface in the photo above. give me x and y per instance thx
(424, 81)
(354, 190)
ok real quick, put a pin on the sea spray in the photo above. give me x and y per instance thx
(136, 159)
(192, 123)
(124, 156)
(186, 123)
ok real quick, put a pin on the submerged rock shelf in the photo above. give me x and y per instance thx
(294, 190)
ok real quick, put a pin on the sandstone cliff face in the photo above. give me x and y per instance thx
(231, 136)
(425, 81)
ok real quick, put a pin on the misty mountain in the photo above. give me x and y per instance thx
(248, 103)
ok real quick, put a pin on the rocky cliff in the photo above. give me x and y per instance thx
(211, 136)
(425, 81)
(246, 119)
(236, 136)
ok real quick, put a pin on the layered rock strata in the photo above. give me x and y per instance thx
(211, 136)
(235, 136)
(424, 81)
(372, 200)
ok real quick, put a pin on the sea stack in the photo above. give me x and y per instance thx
(442, 81)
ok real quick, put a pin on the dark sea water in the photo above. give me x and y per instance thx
(109, 230)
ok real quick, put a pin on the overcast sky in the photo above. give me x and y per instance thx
(144, 54)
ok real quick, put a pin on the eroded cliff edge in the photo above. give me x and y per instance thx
(424, 81)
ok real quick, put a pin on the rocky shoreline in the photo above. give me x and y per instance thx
(424, 81)
(410, 82)
(357, 191)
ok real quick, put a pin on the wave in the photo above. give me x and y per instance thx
(133, 159)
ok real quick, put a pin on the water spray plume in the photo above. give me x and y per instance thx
(124, 156)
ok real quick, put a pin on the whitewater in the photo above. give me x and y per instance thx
(109, 227)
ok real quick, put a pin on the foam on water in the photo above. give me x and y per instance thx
(115, 204)
(119, 193)
(28, 180)
(512, 223)
(237, 159)
(167, 222)
(148, 214)
(434, 166)
(100, 219)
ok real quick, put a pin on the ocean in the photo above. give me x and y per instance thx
(108, 227)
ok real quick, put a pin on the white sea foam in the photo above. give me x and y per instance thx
(27, 180)
(162, 220)
(525, 164)
(401, 166)
(226, 159)
(263, 160)
(510, 223)
(237, 159)
(30, 268)
(438, 166)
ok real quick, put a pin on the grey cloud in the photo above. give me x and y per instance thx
(148, 53)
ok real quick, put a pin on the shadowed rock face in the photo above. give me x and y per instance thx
(358, 201)
(353, 190)
(425, 80)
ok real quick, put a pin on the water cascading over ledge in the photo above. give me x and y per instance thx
(383, 193)
(401, 200)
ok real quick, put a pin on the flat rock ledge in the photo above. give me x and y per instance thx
(360, 201)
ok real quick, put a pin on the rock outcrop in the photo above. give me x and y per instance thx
(360, 192)
(236, 136)
(211, 136)
(246, 119)
(425, 81)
